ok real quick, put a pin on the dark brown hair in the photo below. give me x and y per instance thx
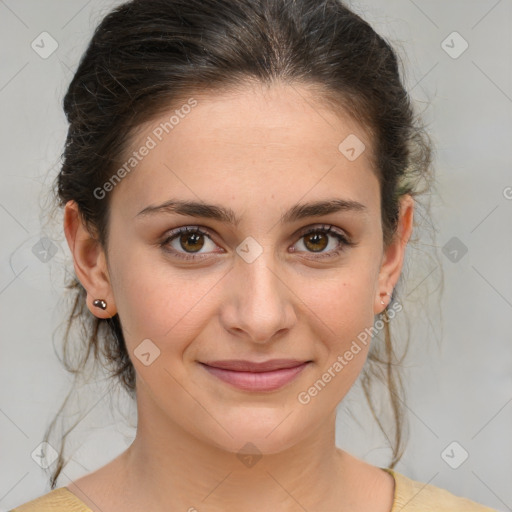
(146, 55)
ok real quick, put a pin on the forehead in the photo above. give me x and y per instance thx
(249, 145)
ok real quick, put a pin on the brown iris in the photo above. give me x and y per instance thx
(314, 238)
(193, 238)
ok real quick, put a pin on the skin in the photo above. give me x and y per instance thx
(258, 151)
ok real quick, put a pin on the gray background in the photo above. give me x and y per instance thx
(460, 365)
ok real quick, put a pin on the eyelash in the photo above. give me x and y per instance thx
(344, 241)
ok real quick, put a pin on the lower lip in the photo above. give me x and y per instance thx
(257, 381)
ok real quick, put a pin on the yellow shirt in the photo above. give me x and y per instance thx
(410, 496)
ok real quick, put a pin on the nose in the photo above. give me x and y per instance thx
(259, 303)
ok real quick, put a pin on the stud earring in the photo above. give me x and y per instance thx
(100, 303)
(387, 293)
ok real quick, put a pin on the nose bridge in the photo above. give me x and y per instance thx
(259, 302)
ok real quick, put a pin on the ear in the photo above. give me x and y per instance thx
(393, 257)
(89, 261)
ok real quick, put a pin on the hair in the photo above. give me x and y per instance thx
(147, 55)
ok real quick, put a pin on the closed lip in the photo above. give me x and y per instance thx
(240, 365)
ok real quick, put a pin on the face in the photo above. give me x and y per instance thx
(265, 287)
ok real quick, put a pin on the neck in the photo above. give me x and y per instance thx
(169, 466)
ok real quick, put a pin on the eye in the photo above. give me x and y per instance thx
(317, 239)
(191, 239)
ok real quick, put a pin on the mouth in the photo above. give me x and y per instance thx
(253, 376)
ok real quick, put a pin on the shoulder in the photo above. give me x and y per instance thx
(61, 499)
(414, 496)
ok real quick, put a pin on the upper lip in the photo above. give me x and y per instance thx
(241, 365)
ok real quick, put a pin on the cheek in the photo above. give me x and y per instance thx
(160, 303)
(344, 304)
(342, 309)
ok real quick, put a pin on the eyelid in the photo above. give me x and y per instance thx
(301, 232)
(329, 228)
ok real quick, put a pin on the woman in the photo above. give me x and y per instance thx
(238, 188)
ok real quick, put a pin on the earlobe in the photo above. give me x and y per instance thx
(89, 262)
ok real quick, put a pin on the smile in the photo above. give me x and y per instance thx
(257, 380)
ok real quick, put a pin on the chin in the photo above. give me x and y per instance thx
(261, 437)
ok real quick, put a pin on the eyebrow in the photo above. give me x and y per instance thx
(227, 215)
